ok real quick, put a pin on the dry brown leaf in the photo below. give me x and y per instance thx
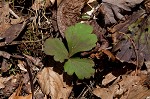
(122, 44)
(4, 19)
(124, 4)
(148, 66)
(24, 97)
(13, 96)
(108, 78)
(4, 11)
(4, 80)
(38, 4)
(39, 94)
(138, 92)
(10, 85)
(121, 89)
(134, 87)
(12, 32)
(5, 54)
(21, 65)
(35, 60)
(5, 66)
(3, 28)
(112, 8)
(108, 13)
(103, 93)
(58, 2)
(109, 54)
(52, 84)
(126, 84)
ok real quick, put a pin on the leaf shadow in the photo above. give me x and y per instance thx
(58, 68)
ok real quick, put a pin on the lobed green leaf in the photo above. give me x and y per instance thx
(81, 67)
(79, 38)
(56, 48)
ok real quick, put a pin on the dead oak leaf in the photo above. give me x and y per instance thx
(132, 39)
(113, 8)
(52, 84)
(124, 4)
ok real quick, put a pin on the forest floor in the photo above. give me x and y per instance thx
(75, 49)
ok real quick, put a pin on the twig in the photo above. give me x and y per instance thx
(135, 49)
(30, 75)
(20, 42)
(13, 13)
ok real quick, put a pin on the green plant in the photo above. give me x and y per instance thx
(79, 38)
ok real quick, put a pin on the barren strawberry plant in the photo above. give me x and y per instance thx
(74, 49)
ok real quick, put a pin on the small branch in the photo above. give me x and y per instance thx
(13, 13)
(135, 49)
